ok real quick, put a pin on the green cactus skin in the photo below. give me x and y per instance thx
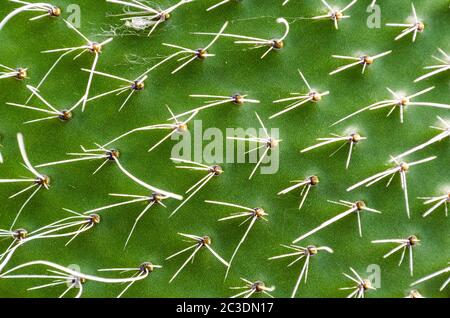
(308, 47)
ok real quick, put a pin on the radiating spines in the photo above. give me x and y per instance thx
(132, 86)
(63, 115)
(336, 15)
(141, 272)
(19, 73)
(271, 44)
(402, 245)
(299, 253)
(305, 185)
(364, 61)
(216, 100)
(44, 10)
(17, 237)
(267, 143)
(351, 139)
(190, 55)
(36, 182)
(143, 16)
(99, 153)
(110, 155)
(402, 169)
(150, 200)
(436, 69)
(352, 208)
(250, 215)
(212, 171)
(436, 203)
(177, 127)
(199, 243)
(250, 288)
(415, 27)
(298, 99)
(362, 285)
(89, 46)
(400, 101)
(60, 275)
(70, 227)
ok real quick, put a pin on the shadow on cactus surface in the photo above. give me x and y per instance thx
(234, 69)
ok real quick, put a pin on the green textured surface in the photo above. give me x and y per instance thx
(309, 47)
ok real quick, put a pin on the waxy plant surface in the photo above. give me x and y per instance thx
(309, 47)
